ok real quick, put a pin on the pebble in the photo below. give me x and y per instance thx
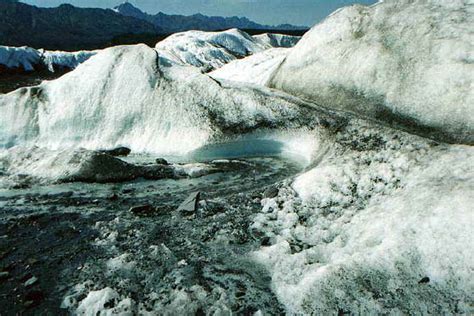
(424, 280)
(4, 275)
(31, 281)
(270, 193)
(142, 209)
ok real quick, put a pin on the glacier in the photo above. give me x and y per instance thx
(376, 220)
(169, 110)
(28, 59)
(405, 62)
(212, 50)
(256, 69)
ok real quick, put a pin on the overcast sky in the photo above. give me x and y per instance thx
(301, 12)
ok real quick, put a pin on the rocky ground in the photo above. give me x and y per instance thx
(73, 238)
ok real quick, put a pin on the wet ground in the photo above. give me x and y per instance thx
(65, 240)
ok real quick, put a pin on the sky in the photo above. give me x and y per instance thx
(298, 12)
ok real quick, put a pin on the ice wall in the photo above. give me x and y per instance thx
(407, 62)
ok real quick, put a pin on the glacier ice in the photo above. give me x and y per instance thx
(375, 210)
(19, 57)
(407, 62)
(59, 59)
(128, 96)
(27, 58)
(257, 68)
(212, 50)
(380, 212)
(277, 40)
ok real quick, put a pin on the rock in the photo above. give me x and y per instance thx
(142, 209)
(424, 280)
(33, 298)
(270, 193)
(156, 172)
(266, 241)
(162, 161)
(101, 167)
(117, 152)
(113, 197)
(190, 205)
(4, 275)
(31, 281)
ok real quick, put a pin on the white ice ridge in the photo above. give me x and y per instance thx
(383, 225)
(128, 96)
(212, 50)
(408, 61)
(27, 58)
(257, 69)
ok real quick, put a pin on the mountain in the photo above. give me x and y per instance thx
(178, 23)
(65, 27)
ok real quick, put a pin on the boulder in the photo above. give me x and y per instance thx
(117, 152)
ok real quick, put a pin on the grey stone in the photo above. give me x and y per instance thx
(271, 192)
(31, 281)
(119, 151)
(162, 161)
(142, 209)
(190, 205)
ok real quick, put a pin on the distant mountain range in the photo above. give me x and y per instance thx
(64, 27)
(179, 23)
(70, 28)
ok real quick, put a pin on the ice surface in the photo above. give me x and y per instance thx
(360, 230)
(27, 58)
(257, 68)
(212, 50)
(59, 59)
(19, 57)
(375, 211)
(128, 96)
(277, 40)
(404, 61)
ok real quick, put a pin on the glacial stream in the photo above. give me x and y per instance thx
(60, 241)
